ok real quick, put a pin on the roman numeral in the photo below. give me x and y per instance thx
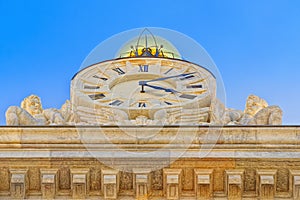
(143, 68)
(102, 78)
(168, 70)
(168, 103)
(187, 77)
(91, 87)
(115, 103)
(194, 86)
(118, 70)
(96, 96)
(141, 104)
(187, 96)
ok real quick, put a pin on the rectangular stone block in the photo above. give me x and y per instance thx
(18, 184)
(79, 178)
(48, 178)
(296, 187)
(142, 183)
(234, 183)
(48, 183)
(267, 180)
(172, 180)
(203, 179)
(141, 178)
(48, 186)
(110, 183)
(295, 180)
(110, 179)
(203, 183)
(267, 183)
(79, 183)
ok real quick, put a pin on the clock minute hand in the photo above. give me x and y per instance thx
(165, 78)
(159, 88)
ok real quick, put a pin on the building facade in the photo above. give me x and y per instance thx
(147, 124)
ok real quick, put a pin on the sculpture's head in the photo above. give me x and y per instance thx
(254, 104)
(32, 104)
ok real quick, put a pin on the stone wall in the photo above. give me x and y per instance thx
(59, 162)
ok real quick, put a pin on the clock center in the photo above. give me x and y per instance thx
(128, 87)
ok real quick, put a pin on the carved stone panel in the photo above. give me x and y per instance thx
(218, 182)
(250, 180)
(188, 179)
(157, 179)
(126, 180)
(4, 179)
(34, 179)
(95, 179)
(64, 178)
(282, 180)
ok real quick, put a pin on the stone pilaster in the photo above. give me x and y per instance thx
(49, 183)
(295, 182)
(18, 183)
(79, 183)
(266, 183)
(203, 183)
(110, 182)
(142, 183)
(234, 183)
(172, 183)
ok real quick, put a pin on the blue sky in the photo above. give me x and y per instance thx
(255, 44)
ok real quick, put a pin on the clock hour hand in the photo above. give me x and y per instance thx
(157, 88)
(165, 78)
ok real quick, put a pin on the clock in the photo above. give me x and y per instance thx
(143, 81)
(142, 86)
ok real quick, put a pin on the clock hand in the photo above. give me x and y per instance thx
(164, 78)
(157, 88)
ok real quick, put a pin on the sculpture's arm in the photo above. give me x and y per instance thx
(53, 116)
(17, 116)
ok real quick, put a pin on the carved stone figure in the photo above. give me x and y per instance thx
(68, 113)
(258, 112)
(232, 116)
(93, 116)
(183, 116)
(217, 112)
(32, 113)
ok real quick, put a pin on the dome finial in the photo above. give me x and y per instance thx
(146, 45)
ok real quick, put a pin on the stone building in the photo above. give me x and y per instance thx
(147, 124)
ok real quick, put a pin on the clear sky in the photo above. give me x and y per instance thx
(255, 44)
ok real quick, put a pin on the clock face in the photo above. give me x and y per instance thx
(139, 85)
